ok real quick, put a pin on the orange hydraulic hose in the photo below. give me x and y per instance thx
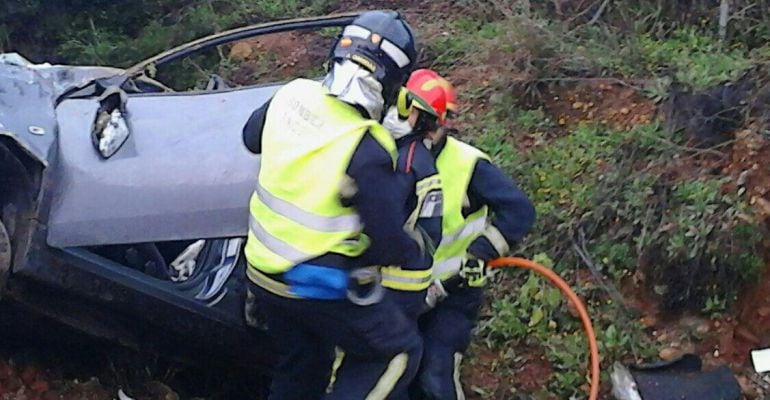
(507, 262)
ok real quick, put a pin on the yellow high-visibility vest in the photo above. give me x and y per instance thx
(308, 140)
(455, 165)
(397, 278)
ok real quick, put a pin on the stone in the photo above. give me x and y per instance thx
(670, 353)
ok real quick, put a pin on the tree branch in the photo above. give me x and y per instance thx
(599, 12)
(724, 16)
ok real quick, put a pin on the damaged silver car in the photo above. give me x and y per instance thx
(123, 203)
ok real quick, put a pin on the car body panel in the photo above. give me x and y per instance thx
(26, 106)
(184, 172)
(28, 93)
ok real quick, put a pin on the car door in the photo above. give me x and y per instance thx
(182, 174)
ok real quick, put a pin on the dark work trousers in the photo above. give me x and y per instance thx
(412, 304)
(446, 332)
(382, 348)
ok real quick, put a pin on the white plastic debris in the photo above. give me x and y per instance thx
(185, 262)
(123, 396)
(623, 383)
(761, 360)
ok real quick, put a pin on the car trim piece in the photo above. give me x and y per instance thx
(139, 282)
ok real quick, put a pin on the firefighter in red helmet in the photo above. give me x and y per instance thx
(484, 215)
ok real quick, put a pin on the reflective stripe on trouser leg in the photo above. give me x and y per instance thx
(456, 377)
(339, 358)
(396, 369)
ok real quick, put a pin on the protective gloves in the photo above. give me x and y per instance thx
(474, 271)
(436, 293)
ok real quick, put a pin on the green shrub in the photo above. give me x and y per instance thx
(697, 60)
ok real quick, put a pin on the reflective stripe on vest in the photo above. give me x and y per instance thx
(308, 140)
(455, 165)
(342, 223)
(451, 251)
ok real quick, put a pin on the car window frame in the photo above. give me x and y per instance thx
(143, 68)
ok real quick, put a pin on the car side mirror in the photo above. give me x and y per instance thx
(110, 129)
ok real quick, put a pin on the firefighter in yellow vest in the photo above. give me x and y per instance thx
(425, 112)
(323, 213)
(485, 214)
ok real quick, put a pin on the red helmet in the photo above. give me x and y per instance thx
(451, 95)
(429, 94)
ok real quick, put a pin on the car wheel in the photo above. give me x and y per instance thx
(5, 256)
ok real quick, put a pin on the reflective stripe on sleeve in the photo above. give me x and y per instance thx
(497, 239)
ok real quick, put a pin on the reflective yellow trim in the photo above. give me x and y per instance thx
(448, 267)
(429, 183)
(364, 62)
(271, 285)
(456, 377)
(322, 223)
(389, 378)
(406, 280)
(407, 273)
(339, 357)
(496, 239)
(402, 103)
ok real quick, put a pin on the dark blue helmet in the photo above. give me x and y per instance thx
(383, 43)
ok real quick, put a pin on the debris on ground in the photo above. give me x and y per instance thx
(680, 379)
